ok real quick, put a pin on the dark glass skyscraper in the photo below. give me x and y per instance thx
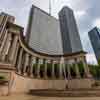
(69, 32)
(94, 36)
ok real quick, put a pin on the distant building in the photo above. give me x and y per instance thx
(94, 36)
(48, 35)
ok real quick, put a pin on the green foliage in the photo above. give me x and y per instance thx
(73, 71)
(81, 69)
(2, 78)
(99, 62)
(95, 70)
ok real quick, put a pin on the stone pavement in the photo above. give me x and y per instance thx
(29, 97)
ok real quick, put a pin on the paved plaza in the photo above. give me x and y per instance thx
(29, 97)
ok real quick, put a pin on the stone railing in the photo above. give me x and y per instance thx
(28, 62)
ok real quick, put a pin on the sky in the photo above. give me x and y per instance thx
(86, 13)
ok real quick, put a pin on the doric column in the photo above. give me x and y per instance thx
(86, 68)
(20, 61)
(60, 70)
(53, 69)
(13, 48)
(69, 71)
(16, 53)
(32, 61)
(45, 68)
(6, 47)
(77, 69)
(38, 67)
(64, 71)
(5, 18)
(61, 67)
(3, 42)
(26, 63)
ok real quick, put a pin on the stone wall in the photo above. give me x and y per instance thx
(24, 84)
(20, 84)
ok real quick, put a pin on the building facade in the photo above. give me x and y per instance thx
(94, 36)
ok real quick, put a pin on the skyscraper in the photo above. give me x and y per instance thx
(70, 36)
(43, 33)
(94, 36)
(53, 36)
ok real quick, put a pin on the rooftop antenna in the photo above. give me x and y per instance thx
(50, 7)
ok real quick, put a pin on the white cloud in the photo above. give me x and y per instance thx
(91, 59)
(80, 14)
(96, 23)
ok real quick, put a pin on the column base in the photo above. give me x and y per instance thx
(38, 76)
(61, 77)
(31, 75)
(78, 76)
(45, 76)
(53, 77)
(19, 72)
(25, 74)
(88, 76)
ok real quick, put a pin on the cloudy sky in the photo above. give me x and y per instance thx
(86, 13)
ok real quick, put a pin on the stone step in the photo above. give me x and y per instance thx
(66, 93)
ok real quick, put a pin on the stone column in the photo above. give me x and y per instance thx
(16, 53)
(64, 71)
(53, 69)
(38, 68)
(60, 70)
(26, 63)
(32, 59)
(13, 48)
(61, 67)
(34, 63)
(20, 61)
(69, 73)
(45, 68)
(6, 47)
(77, 69)
(86, 68)
(3, 42)
(3, 26)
